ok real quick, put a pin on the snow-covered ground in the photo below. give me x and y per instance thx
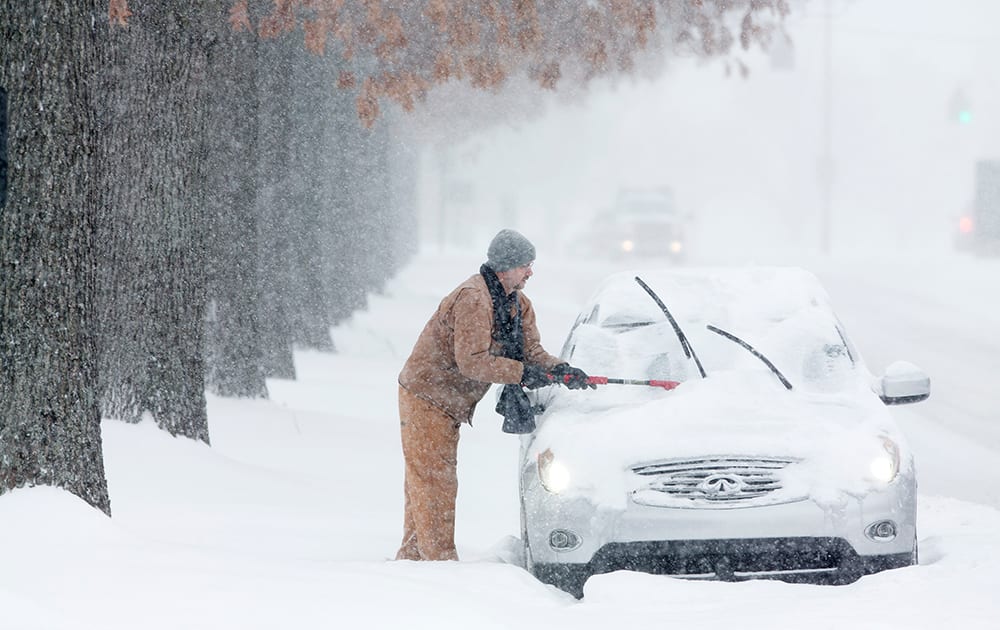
(290, 518)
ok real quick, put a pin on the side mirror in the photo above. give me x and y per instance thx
(904, 383)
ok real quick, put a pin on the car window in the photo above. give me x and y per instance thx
(625, 348)
(809, 347)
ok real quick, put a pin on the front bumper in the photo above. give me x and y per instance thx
(800, 560)
(801, 539)
(812, 560)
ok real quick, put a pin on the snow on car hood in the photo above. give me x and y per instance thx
(600, 435)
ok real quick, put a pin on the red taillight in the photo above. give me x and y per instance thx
(965, 225)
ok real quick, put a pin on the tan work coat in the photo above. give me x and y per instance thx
(455, 359)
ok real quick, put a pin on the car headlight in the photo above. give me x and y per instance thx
(552, 472)
(627, 245)
(676, 247)
(885, 466)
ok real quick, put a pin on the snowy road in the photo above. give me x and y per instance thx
(945, 317)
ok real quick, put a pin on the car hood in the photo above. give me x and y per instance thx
(832, 437)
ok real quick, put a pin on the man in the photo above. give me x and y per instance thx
(483, 332)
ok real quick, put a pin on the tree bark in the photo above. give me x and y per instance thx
(309, 108)
(234, 359)
(50, 430)
(350, 235)
(153, 295)
(275, 207)
(402, 166)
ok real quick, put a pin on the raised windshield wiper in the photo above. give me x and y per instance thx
(753, 351)
(685, 344)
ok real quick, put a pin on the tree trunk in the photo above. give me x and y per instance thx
(310, 98)
(407, 171)
(153, 296)
(350, 236)
(3, 147)
(50, 430)
(365, 235)
(234, 359)
(403, 163)
(274, 207)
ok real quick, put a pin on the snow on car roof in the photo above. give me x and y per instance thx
(782, 312)
(754, 296)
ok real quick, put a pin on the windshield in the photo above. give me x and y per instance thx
(621, 334)
(649, 209)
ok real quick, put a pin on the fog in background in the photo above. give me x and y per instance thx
(745, 156)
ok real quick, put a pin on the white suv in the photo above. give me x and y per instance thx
(752, 441)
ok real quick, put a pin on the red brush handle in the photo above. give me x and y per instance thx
(667, 385)
(604, 380)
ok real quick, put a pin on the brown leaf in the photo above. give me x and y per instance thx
(437, 12)
(393, 32)
(548, 75)
(597, 57)
(118, 12)
(315, 36)
(484, 71)
(404, 88)
(282, 20)
(442, 67)
(346, 80)
(343, 31)
(239, 17)
(526, 19)
(367, 103)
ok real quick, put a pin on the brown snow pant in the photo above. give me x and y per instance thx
(430, 453)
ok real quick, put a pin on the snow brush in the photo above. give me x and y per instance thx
(604, 380)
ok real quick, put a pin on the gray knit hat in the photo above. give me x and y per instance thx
(509, 249)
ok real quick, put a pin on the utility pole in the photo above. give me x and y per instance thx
(444, 168)
(826, 159)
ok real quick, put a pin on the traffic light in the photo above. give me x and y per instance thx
(960, 108)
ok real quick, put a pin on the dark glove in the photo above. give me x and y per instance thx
(535, 376)
(571, 377)
(514, 406)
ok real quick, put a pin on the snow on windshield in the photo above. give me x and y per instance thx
(782, 313)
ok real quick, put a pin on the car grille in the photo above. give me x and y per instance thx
(713, 482)
(810, 560)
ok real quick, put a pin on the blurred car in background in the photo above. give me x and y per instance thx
(978, 226)
(965, 228)
(771, 455)
(642, 223)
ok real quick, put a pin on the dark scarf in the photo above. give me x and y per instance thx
(508, 332)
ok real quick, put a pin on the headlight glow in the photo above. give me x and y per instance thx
(882, 469)
(627, 245)
(553, 474)
(676, 247)
(885, 467)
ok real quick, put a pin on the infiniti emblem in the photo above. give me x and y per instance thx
(721, 485)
